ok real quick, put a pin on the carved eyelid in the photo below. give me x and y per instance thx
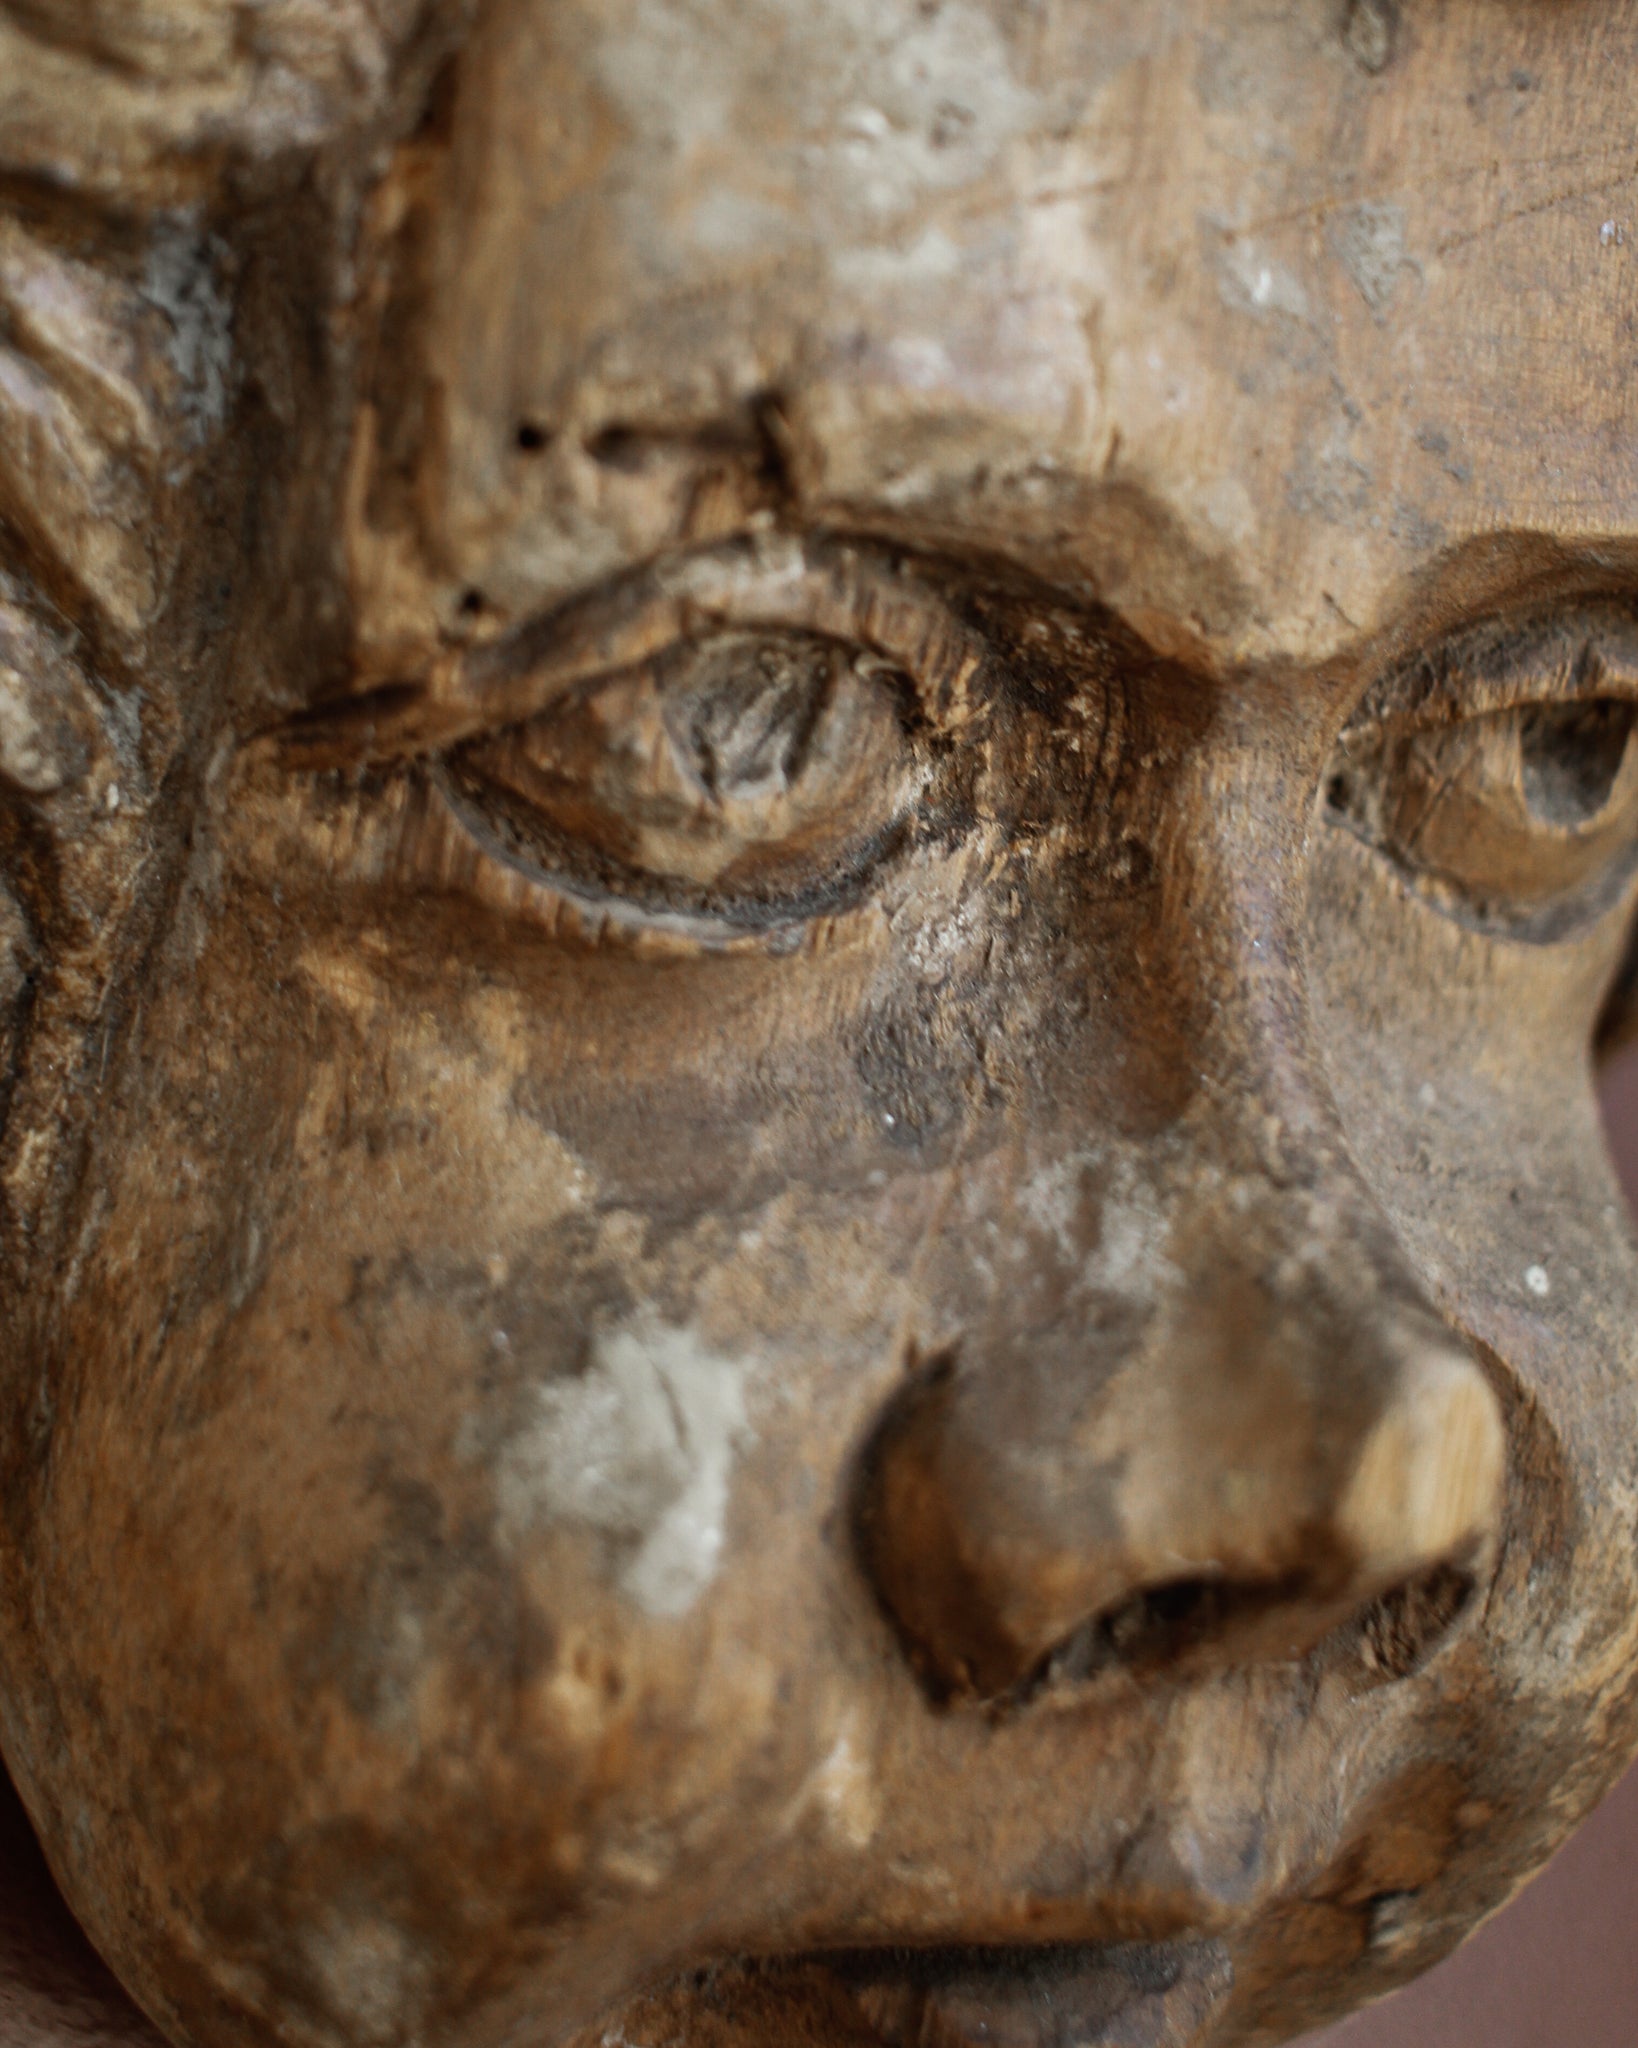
(787, 584)
(1585, 653)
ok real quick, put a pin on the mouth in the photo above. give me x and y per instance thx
(1136, 1995)
(1162, 1994)
(1170, 1990)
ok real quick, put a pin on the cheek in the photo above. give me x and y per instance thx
(444, 1473)
(432, 1404)
(1461, 1068)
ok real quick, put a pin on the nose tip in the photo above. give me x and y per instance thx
(1426, 1487)
(1179, 1517)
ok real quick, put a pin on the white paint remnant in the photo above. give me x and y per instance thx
(1249, 281)
(28, 758)
(1535, 1278)
(841, 1791)
(930, 103)
(640, 1447)
(180, 279)
(846, 1794)
(369, 1977)
(1611, 232)
(1369, 242)
(932, 257)
(868, 124)
(1053, 1196)
(1130, 1258)
(1225, 505)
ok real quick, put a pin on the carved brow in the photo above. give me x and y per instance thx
(1581, 652)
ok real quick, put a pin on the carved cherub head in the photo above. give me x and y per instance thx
(816, 820)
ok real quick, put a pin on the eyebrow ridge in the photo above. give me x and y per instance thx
(835, 589)
(1585, 652)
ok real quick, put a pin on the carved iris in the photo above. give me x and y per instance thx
(744, 779)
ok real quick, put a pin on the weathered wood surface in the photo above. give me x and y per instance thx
(813, 825)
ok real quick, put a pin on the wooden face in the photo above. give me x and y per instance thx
(807, 1229)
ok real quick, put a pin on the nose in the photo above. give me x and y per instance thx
(1227, 1443)
(1285, 1437)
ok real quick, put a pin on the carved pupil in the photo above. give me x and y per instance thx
(741, 710)
(1571, 755)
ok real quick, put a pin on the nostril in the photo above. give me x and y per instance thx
(1149, 1630)
(1167, 1623)
(1010, 1555)
(1173, 1626)
(1399, 1631)
(1190, 1621)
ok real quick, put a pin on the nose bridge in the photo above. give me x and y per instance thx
(1259, 1139)
(1242, 810)
(1262, 1121)
(1281, 1424)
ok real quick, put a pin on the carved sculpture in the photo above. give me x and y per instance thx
(816, 821)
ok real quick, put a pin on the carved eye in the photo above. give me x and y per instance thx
(741, 781)
(1520, 818)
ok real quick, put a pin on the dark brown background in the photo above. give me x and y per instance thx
(1558, 1969)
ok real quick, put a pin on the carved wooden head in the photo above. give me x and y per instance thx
(815, 821)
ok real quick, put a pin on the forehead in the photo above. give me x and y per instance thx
(1246, 316)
